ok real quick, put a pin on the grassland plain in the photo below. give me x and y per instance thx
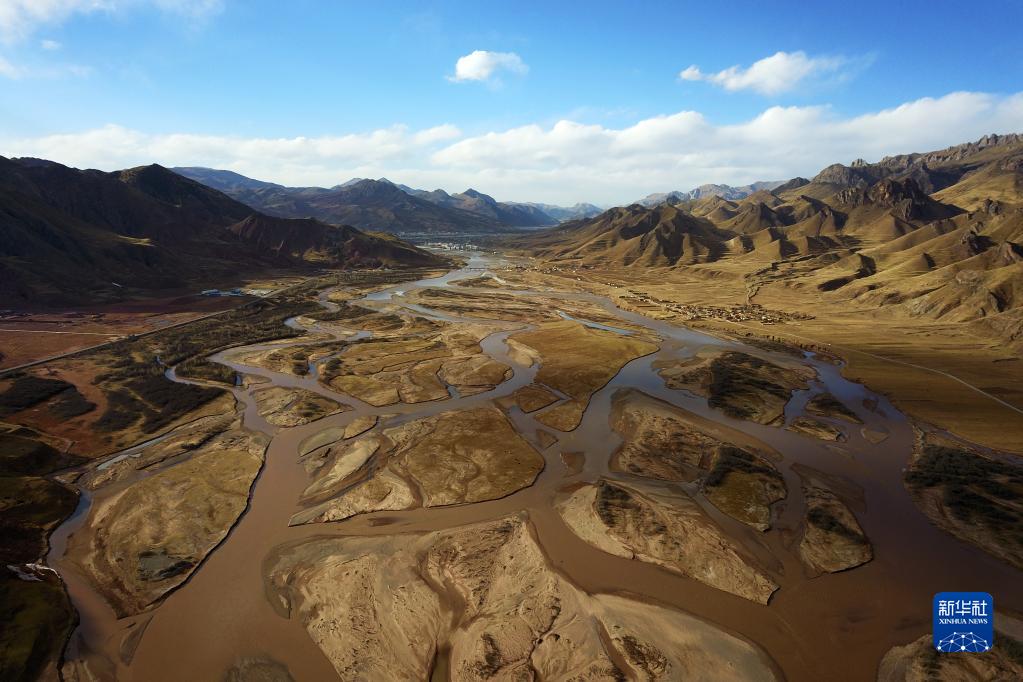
(960, 377)
(577, 361)
(909, 269)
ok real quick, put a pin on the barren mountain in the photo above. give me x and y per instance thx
(310, 240)
(68, 235)
(932, 171)
(374, 205)
(382, 205)
(659, 236)
(514, 215)
(936, 235)
(224, 180)
(562, 213)
(708, 190)
(327, 204)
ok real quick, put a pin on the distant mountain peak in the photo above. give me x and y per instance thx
(707, 190)
(222, 180)
(151, 170)
(385, 204)
(31, 161)
(149, 228)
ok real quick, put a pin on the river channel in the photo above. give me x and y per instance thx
(835, 626)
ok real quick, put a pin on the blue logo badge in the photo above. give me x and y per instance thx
(964, 622)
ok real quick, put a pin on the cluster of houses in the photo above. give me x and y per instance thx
(236, 292)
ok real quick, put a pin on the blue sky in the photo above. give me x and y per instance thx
(578, 101)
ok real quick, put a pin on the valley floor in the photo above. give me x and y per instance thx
(956, 376)
(32, 335)
(511, 471)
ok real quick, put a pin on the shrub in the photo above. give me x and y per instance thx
(27, 390)
(70, 403)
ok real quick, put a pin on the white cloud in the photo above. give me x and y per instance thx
(295, 160)
(192, 9)
(568, 161)
(683, 150)
(50, 45)
(441, 133)
(481, 65)
(19, 18)
(9, 70)
(14, 71)
(76, 70)
(691, 73)
(781, 72)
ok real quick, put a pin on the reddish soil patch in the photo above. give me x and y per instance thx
(87, 441)
(19, 348)
(30, 336)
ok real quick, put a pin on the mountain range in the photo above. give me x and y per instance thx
(384, 205)
(563, 213)
(936, 235)
(69, 235)
(709, 190)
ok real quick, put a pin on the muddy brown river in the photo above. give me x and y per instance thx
(836, 626)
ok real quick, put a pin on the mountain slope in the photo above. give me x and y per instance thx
(515, 215)
(312, 241)
(563, 213)
(68, 235)
(937, 235)
(223, 180)
(381, 205)
(327, 204)
(367, 204)
(705, 191)
(659, 236)
(932, 171)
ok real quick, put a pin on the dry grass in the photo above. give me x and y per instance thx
(149, 538)
(578, 361)
(899, 356)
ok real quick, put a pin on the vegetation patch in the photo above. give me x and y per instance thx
(28, 390)
(829, 523)
(974, 489)
(827, 405)
(730, 459)
(70, 404)
(740, 385)
(23, 454)
(36, 619)
(35, 615)
(202, 369)
(832, 538)
(743, 486)
(138, 392)
(257, 323)
(32, 506)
